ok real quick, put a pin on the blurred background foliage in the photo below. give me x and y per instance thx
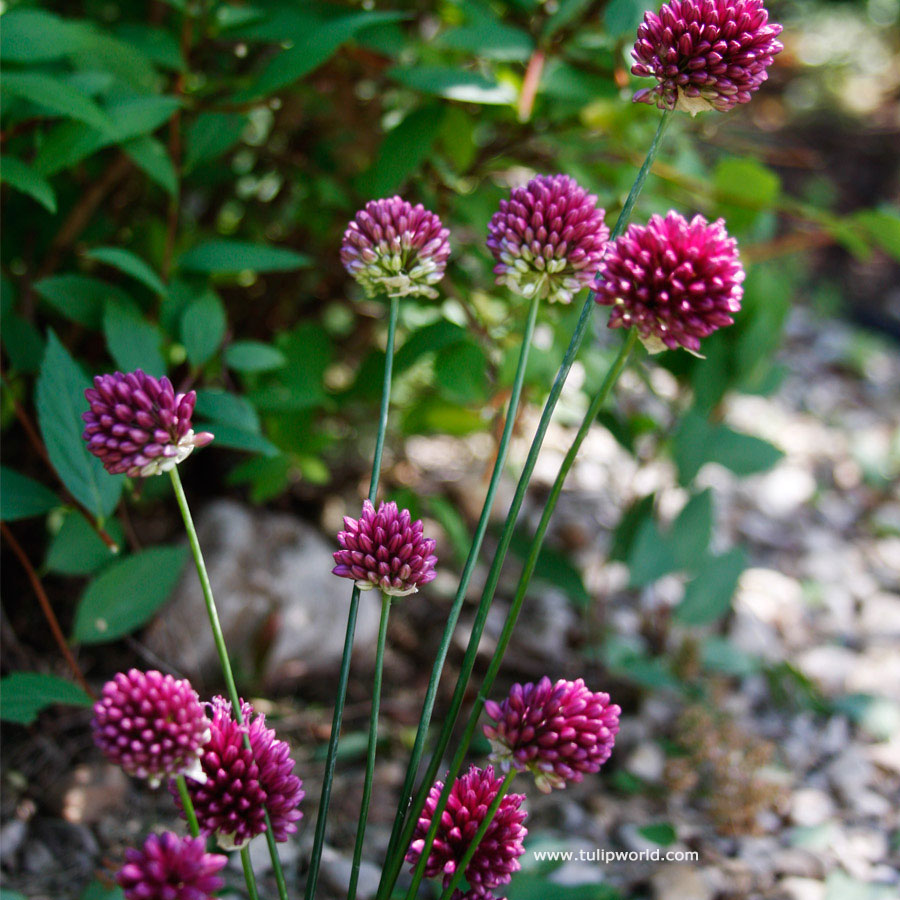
(177, 176)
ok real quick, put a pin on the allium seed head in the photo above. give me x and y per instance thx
(675, 281)
(558, 732)
(496, 857)
(152, 725)
(395, 248)
(138, 425)
(705, 54)
(242, 785)
(547, 238)
(169, 867)
(385, 550)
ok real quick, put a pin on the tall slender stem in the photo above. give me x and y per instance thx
(188, 806)
(373, 744)
(249, 877)
(478, 836)
(312, 878)
(225, 663)
(469, 568)
(395, 861)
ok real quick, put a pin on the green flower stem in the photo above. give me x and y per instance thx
(612, 376)
(249, 877)
(395, 862)
(459, 599)
(312, 878)
(188, 806)
(373, 743)
(225, 662)
(463, 864)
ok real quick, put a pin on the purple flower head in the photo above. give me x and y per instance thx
(705, 54)
(675, 281)
(152, 725)
(547, 238)
(558, 732)
(497, 856)
(385, 550)
(478, 893)
(169, 867)
(395, 248)
(138, 425)
(242, 784)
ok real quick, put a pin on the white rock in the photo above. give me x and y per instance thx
(335, 872)
(268, 570)
(811, 807)
(680, 881)
(647, 761)
(802, 888)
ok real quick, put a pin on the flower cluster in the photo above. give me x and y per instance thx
(705, 54)
(242, 783)
(392, 247)
(547, 238)
(559, 732)
(137, 425)
(152, 725)
(675, 281)
(497, 856)
(385, 550)
(169, 867)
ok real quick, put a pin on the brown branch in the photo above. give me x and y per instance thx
(47, 609)
(530, 85)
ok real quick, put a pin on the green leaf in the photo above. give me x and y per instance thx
(19, 176)
(627, 529)
(403, 150)
(691, 531)
(253, 356)
(56, 96)
(744, 454)
(622, 17)
(238, 439)
(721, 655)
(227, 409)
(156, 44)
(33, 36)
(429, 339)
(22, 342)
(454, 84)
(24, 694)
(203, 328)
(22, 497)
(554, 568)
(129, 263)
(882, 227)
(225, 257)
(60, 402)
(151, 156)
(745, 181)
(97, 890)
(210, 135)
(708, 597)
(133, 342)
(439, 417)
(661, 833)
(79, 298)
(76, 549)
(489, 39)
(651, 556)
(459, 372)
(126, 594)
(313, 45)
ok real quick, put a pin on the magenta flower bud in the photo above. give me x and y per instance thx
(152, 725)
(496, 857)
(395, 248)
(705, 54)
(385, 550)
(547, 238)
(243, 784)
(475, 894)
(169, 867)
(138, 425)
(558, 732)
(675, 281)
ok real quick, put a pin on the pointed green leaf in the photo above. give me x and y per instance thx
(227, 257)
(133, 342)
(129, 263)
(22, 497)
(19, 176)
(56, 96)
(708, 597)
(24, 694)
(203, 328)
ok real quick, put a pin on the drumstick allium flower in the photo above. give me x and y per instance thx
(675, 281)
(559, 732)
(138, 425)
(169, 867)
(242, 785)
(392, 247)
(497, 856)
(152, 725)
(385, 550)
(547, 238)
(705, 54)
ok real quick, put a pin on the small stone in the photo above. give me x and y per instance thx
(336, 874)
(811, 807)
(679, 881)
(795, 861)
(12, 834)
(795, 888)
(647, 761)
